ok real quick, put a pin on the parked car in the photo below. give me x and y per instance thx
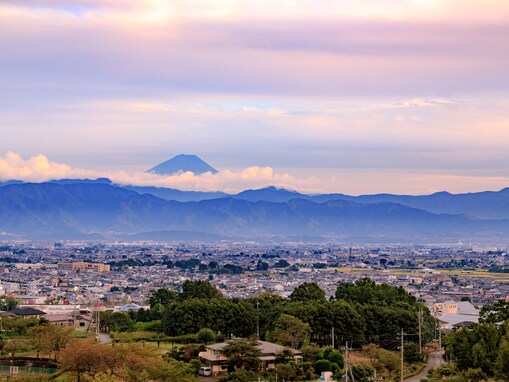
(205, 371)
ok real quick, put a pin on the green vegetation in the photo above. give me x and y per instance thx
(481, 351)
(362, 314)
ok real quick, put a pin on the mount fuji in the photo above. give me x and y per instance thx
(183, 163)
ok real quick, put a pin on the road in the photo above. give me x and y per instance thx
(433, 363)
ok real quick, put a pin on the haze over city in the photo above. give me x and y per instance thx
(319, 96)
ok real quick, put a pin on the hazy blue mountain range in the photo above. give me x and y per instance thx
(89, 209)
(270, 194)
(174, 194)
(6, 183)
(182, 163)
(483, 205)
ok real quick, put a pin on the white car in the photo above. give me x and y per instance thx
(205, 371)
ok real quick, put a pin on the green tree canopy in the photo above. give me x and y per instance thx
(162, 296)
(199, 289)
(290, 331)
(242, 354)
(308, 292)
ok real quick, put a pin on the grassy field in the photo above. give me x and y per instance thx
(474, 274)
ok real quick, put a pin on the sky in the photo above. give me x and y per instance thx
(352, 96)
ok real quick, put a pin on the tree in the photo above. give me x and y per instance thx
(125, 362)
(308, 292)
(262, 266)
(290, 331)
(322, 365)
(229, 317)
(162, 296)
(502, 362)
(8, 303)
(285, 372)
(336, 357)
(58, 337)
(389, 360)
(206, 336)
(412, 353)
(199, 289)
(82, 357)
(281, 264)
(115, 321)
(284, 357)
(495, 313)
(311, 353)
(242, 354)
(16, 345)
(37, 336)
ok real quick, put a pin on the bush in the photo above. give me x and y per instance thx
(363, 373)
(206, 336)
(412, 353)
(327, 351)
(196, 364)
(322, 365)
(311, 353)
(335, 356)
(475, 375)
(240, 376)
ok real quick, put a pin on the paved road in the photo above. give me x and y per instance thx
(433, 363)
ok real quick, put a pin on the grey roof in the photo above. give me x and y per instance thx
(27, 312)
(466, 307)
(454, 319)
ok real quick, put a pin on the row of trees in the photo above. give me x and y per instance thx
(359, 313)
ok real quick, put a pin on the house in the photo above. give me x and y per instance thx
(27, 313)
(212, 357)
(457, 314)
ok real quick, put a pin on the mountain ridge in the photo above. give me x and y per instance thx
(93, 209)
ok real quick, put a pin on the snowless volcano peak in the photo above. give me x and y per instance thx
(183, 163)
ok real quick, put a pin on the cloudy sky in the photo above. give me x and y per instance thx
(353, 96)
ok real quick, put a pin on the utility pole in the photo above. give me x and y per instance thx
(333, 337)
(402, 355)
(420, 331)
(98, 325)
(440, 344)
(258, 320)
(346, 362)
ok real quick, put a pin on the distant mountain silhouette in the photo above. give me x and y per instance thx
(173, 194)
(49, 210)
(183, 163)
(482, 205)
(6, 183)
(269, 194)
(72, 181)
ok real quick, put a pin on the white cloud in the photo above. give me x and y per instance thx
(350, 181)
(40, 168)
(37, 168)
